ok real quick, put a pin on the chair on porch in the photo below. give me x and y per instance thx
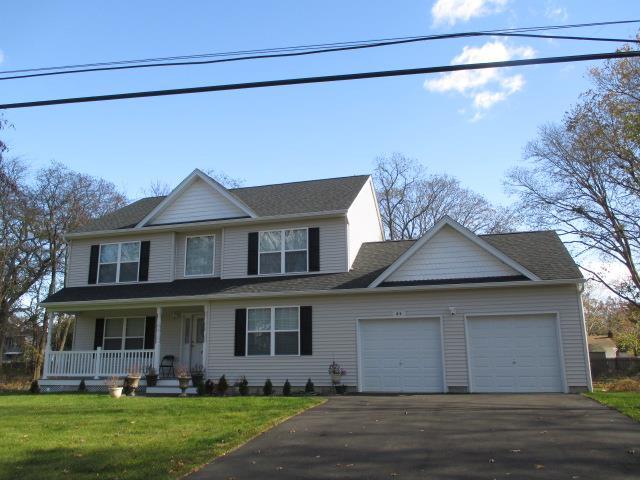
(166, 366)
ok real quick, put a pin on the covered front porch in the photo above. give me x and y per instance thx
(119, 341)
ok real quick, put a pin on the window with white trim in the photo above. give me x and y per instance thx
(119, 262)
(273, 331)
(199, 255)
(124, 333)
(283, 251)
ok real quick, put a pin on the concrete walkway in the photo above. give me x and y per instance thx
(442, 437)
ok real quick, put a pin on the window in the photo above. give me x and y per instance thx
(124, 334)
(119, 262)
(273, 331)
(199, 254)
(283, 251)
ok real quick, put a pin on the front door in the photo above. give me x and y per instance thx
(193, 340)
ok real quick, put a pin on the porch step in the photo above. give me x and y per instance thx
(169, 390)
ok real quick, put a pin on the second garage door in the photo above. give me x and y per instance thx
(514, 354)
(401, 355)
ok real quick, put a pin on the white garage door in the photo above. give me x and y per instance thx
(401, 355)
(514, 354)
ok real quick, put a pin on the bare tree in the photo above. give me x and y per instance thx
(225, 180)
(412, 201)
(157, 188)
(584, 176)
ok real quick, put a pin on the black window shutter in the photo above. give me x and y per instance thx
(306, 331)
(252, 254)
(150, 333)
(314, 249)
(99, 333)
(143, 272)
(93, 264)
(241, 332)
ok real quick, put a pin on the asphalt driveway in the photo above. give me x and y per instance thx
(442, 437)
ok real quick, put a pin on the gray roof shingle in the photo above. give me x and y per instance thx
(308, 196)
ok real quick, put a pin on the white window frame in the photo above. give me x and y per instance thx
(213, 262)
(272, 332)
(123, 335)
(283, 251)
(118, 262)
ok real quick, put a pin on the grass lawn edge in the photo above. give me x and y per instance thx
(612, 401)
(266, 428)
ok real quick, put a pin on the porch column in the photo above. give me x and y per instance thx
(156, 349)
(47, 348)
(207, 322)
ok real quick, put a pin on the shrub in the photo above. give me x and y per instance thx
(209, 387)
(82, 388)
(35, 387)
(222, 386)
(286, 389)
(201, 389)
(268, 387)
(309, 388)
(243, 386)
(624, 385)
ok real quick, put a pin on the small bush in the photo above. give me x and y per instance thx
(35, 387)
(209, 387)
(624, 385)
(243, 386)
(82, 388)
(201, 389)
(309, 388)
(268, 387)
(222, 386)
(286, 389)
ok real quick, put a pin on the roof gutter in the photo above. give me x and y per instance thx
(191, 299)
(206, 224)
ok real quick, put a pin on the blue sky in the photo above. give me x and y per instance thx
(471, 126)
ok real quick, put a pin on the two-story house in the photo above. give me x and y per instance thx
(278, 281)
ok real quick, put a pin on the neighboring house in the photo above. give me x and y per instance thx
(14, 346)
(602, 346)
(278, 281)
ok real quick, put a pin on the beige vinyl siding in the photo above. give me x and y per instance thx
(334, 331)
(333, 245)
(160, 257)
(180, 246)
(448, 254)
(363, 222)
(199, 201)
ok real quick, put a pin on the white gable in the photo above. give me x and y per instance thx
(198, 201)
(449, 254)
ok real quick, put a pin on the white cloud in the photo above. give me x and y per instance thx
(452, 11)
(556, 12)
(484, 87)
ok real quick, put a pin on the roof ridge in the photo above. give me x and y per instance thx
(297, 181)
(516, 233)
(393, 241)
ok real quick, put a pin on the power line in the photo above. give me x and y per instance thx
(322, 45)
(325, 79)
(327, 50)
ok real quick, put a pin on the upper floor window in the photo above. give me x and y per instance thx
(119, 262)
(199, 255)
(283, 251)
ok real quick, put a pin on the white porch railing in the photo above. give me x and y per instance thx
(96, 363)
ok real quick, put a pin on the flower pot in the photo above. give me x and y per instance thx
(152, 380)
(197, 378)
(131, 382)
(183, 382)
(336, 378)
(115, 392)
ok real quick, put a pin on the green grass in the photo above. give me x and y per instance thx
(80, 436)
(625, 402)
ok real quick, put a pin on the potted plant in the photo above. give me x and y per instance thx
(182, 374)
(114, 387)
(197, 375)
(132, 380)
(151, 377)
(336, 372)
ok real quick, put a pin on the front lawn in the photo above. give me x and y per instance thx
(625, 402)
(94, 436)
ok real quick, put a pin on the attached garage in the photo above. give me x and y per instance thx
(514, 353)
(401, 355)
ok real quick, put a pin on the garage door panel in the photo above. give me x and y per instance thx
(514, 354)
(401, 355)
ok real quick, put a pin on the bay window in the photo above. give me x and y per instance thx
(273, 331)
(283, 251)
(119, 262)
